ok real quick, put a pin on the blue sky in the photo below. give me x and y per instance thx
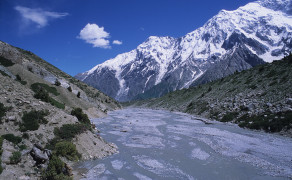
(75, 35)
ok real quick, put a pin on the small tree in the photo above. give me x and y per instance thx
(69, 89)
(57, 82)
(78, 94)
(82, 117)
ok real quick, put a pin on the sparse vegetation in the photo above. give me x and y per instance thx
(5, 62)
(18, 78)
(12, 138)
(69, 89)
(3, 111)
(32, 119)
(15, 158)
(69, 131)
(56, 170)
(57, 82)
(82, 117)
(229, 116)
(1, 143)
(67, 149)
(37, 86)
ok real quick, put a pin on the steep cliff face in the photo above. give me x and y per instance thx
(258, 32)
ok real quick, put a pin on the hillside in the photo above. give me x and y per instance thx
(44, 118)
(258, 98)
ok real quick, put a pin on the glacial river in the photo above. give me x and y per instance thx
(155, 144)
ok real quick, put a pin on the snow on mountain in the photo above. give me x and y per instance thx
(262, 30)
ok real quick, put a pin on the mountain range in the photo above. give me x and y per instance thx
(231, 41)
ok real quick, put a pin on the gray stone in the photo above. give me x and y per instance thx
(289, 101)
(38, 156)
(11, 118)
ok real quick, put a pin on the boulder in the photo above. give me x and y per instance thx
(289, 101)
(38, 156)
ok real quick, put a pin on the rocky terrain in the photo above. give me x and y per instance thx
(44, 118)
(231, 41)
(259, 98)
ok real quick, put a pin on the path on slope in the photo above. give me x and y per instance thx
(156, 144)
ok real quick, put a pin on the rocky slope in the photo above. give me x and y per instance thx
(231, 41)
(29, 146)
(259, 98)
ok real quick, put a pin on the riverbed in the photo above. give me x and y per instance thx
(156, 144)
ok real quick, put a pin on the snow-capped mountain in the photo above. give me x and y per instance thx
(231, 41)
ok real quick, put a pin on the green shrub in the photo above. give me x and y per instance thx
(15, 158)
(42, 94)
(22, 147)
(229, 116)
(57, 82)
(3, 111)
(55, 170)
(25, 136)
(4, 73)
(5, 62)
(69, 89)
(32, 119)
(78, 94)
(18, 78)
(1, 142)
(67, 149)
(82, 117)
(12, 138)
(36, 86)
(56, 103)
(69, 131)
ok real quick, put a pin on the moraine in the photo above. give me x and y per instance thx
(155, 144)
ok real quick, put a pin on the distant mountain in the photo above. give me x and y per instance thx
(231, 41)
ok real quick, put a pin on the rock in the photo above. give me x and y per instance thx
(48, 152)
(39, 146)
(289, 101)
(38, 156)
(251, 107)
(24, 177)
(285, 109)
(68, 170)
(269, 104)
(11, 118)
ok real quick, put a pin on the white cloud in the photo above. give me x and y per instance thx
(117, 42)
(38, 16)
(95, 35)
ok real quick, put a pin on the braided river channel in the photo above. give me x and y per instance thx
(156, 144)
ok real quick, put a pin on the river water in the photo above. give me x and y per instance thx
(155, 144)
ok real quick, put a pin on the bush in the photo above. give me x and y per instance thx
(32, 119)
(25, 136)
(68, 150)
(56, 170)
(3, 111)
(78, 94)
(229, 116)
(82, 117)
(1, 142)
(12, 138)
(69, 89)
(42, 94)
(69, 131)
(57, 82)
(36, 86)
(15, 158)
(5, 62)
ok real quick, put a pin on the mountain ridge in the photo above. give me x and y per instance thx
(265, 32)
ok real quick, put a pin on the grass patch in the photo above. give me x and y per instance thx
(32, 120)
(56, 103)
